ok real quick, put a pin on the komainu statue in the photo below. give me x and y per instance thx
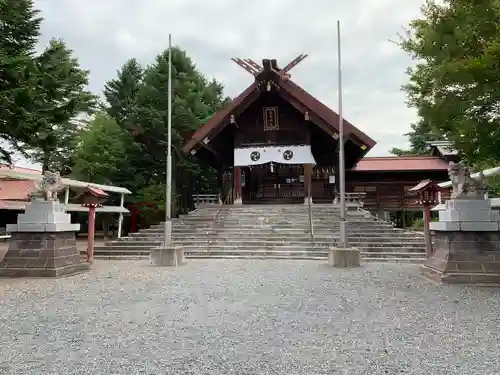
(48, 187)
(464, 186)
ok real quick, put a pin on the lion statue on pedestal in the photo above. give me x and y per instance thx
(464, 186)
(48, 187)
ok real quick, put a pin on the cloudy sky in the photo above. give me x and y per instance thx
(104, 33)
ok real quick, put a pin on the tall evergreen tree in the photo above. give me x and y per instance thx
(19, 27)
(19, 31)
(195, 99)
(121, 94)
(62, 96)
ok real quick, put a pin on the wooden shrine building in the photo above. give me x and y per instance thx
(276, 143)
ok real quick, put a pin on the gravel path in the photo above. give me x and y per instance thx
(247, 317)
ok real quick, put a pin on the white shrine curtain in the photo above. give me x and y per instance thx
(277, 154)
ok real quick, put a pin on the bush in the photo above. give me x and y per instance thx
(418, 224)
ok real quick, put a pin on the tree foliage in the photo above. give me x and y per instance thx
(454, 85)
(19, 31)
(121, 94)
(138, 100)
(126, 146)
(61, 97)
(40, 96)
(100, 152)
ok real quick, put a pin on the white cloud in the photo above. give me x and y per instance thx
(104, 34)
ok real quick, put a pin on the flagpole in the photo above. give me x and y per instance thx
(343, 223)
(168, 184)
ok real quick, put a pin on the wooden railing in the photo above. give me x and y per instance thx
(200, 199)
(352, 199)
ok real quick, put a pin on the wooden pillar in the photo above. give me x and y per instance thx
(220, 186)
(237, 185)
(336, 190)
(427, 232)
(120, 217)
(307, 183)
(91, 233)
(66, 195)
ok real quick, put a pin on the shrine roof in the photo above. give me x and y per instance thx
(18, 173)
(96, 191)
(16, 190)
(291, 90)
(401, 164)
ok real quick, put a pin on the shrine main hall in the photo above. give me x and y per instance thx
(276, 143)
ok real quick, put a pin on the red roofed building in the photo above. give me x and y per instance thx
(276, 143)
(401, 164)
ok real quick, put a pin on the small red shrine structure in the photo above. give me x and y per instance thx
(92, 198)
(428, 195)
(135, 213)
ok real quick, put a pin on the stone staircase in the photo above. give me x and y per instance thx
(272, 231)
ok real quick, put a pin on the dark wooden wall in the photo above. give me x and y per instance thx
(385, 191)
(292, 125)
(389, 191)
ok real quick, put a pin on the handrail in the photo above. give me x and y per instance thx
(352, 199)
(214, 221)
(309, 198)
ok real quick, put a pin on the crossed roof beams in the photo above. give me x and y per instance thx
(255, 69)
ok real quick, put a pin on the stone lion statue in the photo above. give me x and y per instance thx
(464, 186)
(48, 187)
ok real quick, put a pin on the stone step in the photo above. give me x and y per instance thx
(265, 245)
(273, 234)
(235, 249)
(267, 221)
(254, 228)
(261, 238)
(367, 257)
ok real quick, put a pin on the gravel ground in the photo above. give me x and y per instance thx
(247, 317)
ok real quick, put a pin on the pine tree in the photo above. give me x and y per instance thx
(19, 31)
(121, 94)
(19, 27)
(61, 97)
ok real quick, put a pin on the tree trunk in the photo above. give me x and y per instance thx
(46, 160)
(105, 221)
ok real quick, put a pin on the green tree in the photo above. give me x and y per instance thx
(138, 102)
(121, 94)
(400, 152)
(454, 85)
(61, 97)
(100, 152)
(195, 99)
(19, 31)
(421, 133)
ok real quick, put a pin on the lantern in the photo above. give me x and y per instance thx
(428, 194)
(92, 197)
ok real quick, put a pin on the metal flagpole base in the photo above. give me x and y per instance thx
(167, 256)
(344, 258)
(344, 241)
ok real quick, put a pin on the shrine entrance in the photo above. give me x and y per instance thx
(273, 182)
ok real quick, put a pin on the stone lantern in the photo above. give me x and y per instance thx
(92, 198)
(428, 195)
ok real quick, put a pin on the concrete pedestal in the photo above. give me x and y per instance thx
(167, 257)
(43, 244)
(464, 258)
(344, 258)
(466, 246)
